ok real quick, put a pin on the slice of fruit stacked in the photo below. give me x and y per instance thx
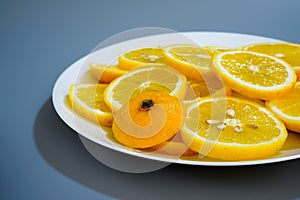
(175, 99)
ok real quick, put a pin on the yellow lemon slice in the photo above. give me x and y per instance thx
(255, 75)
(106, 73)
(141, 57)
(190, 60)
(157, 78)
(88, 101)
(287, 108)
(288, 52)
(244, 131)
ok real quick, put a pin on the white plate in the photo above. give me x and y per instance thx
(77, 72)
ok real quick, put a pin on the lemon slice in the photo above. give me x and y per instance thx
(245, 131)
(255, 75)
(157, 78)
(288, 52)
(141, 57)
(287, 108)
(190, 60)
(106, 73)
(88, 101)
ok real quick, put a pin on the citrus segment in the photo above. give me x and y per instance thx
(140, 57)
(190, 60)
(287, 108)
(88, 101)
(255, 75)
(288, 52)
(106, 73)
(244, 131)
(157, 78)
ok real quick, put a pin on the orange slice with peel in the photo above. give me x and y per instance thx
(148, 119)
(287, 108)
(238, 95)
(211, 50)
(141, 57)
(190, 60)
(203, 89)
(106, 73)
(255, 75)
(289, 52)
(172, 148)
(157, 78)
(241, 130)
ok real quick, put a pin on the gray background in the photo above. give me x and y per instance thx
(41, 158)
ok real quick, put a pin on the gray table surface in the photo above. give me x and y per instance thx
(42, 158)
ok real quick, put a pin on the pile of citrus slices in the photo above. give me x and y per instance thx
(183, 100)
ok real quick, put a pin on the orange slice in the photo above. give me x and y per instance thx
(211, 50)
(190, 60)
(232, 129)
(148, 119)
(238, 95)
(288, 52)
(255, 75)
(157, 78)
(106, 73)
(172, 148)
(203, 89)
(287, 108)
(141, 57)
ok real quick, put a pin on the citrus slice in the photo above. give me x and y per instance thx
(157, 78)
(287, 109)
(172, 148)
(211, 50)
(190, 60)
(106, 73)
(244, 131)
(238, 95)
(255, 75)
(288, 52)
(148, 119)
(141, 57)
(203, 89)
(87, 100)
